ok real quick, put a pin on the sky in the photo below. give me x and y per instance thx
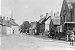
(29, 10)
(0, 7)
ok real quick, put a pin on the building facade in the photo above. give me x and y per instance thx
(7, 26)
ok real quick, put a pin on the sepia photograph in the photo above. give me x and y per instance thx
(37, 24)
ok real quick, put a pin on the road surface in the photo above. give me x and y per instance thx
(25, 42)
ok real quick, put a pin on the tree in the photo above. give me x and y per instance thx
(25, 26)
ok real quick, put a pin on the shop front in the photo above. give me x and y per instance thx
(69, 26)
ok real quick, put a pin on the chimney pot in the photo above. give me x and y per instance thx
(3, 18)
(10, 19)
(13, 20)
(41, 16)
(7, 18)
(0, 17)
(46, 14)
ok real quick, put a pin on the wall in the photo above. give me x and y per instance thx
(4, 32)
(8, 29)
(0, 30)
(16, 30)
(73, 13)
(42, 28)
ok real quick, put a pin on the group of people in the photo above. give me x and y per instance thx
(71, 37)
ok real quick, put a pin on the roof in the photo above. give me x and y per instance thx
(41, 19)
(9, 23)
(45, 18)
(4, 22)
(67, 3)
(56, 21)
(13, 23)
(62, 3)
(70, 0)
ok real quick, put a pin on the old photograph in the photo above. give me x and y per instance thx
(37, 25)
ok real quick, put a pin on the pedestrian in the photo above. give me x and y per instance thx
(72, 38)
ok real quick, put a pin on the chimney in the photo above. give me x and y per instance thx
(41, 16)
(3, 21)
(46, 15)
(7, 18)
(13, 20)
(0, 19)
(3, 18)
(10, 19)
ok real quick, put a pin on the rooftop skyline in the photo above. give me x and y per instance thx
(29, 10)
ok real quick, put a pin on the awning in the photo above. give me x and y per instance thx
(69, 22)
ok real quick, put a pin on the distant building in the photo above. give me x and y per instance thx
(39, 26)
(33, 28)
(8, 26)
(0, 26)
(66, 15)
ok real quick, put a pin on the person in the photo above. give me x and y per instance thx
(13, 31)
(72, 38)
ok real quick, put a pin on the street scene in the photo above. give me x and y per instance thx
(25, 42)
(37, 25)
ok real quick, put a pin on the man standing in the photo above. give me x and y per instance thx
(72, 38)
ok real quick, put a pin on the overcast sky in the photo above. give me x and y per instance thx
(30, 10)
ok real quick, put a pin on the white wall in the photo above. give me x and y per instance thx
(16, 29)
(46, 27)
(8, 30)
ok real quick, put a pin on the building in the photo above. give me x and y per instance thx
(67, 15)
(41, 23)
(0, 26)
(33, 28)
(14, 26)
(66, 18)
(39, 26)
(8, 27)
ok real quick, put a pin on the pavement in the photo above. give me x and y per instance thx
(27, 42)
